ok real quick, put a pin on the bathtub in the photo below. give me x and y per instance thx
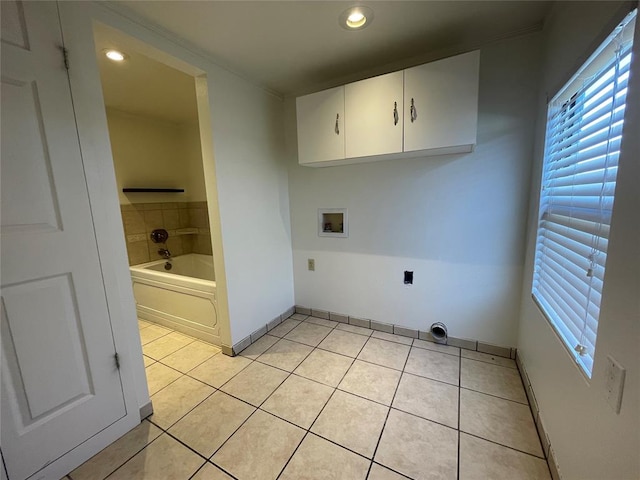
(183, 298)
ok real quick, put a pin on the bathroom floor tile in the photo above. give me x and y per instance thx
(255, 383)
(324, 367)
(152, 332)
(387, 354)
(437, 347)
(298, 400)
(308, 333)
(148, 361)
(370, 381)
(355, 329)
(143, 324)
(177, 399)
(219, 369)
(270, 441)
(486, 357)
(351, 421)
(284, 328)
(322, 321)
(436, 401)
(163, 458)
(159, 376)
(210, 472)
(189, 357)
(434, 365)
(105, 462)
(344, 343)
(492, 379)
(166, 345)
(299, 316)
(390, 337)
(379, 472)
(480, 459)
(210, 424)
(260, 346)
(418, 448)
(285, 354)
(318, 459)
(502, 421)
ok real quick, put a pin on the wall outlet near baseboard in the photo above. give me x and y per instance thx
(311, 264)
(614, 383)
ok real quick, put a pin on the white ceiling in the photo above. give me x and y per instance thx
(296, 47)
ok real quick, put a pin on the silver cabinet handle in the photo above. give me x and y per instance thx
(337, 128)
(413, 112)
(395, 113)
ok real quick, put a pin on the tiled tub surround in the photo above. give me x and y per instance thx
(319, 399)
(140, 219)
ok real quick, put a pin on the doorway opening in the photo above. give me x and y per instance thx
(156, 114)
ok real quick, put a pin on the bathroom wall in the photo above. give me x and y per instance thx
(458, 221)
(590, 441)
(149, 152)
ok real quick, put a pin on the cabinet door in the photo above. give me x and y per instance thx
(445, 99)
(321, 126)
(372, 126)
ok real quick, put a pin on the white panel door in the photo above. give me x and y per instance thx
(321, 129)
(444, 95)
(373, 114)
(60, 383)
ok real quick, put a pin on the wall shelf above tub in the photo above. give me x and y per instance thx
(153, 190)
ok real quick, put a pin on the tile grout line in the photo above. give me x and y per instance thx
(384, 425)
(503, 445)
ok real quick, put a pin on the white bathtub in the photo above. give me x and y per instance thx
(183, 298)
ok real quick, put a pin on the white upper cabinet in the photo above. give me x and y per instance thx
(373, 110)
(321, 126)
(430, 109)
(444, 96)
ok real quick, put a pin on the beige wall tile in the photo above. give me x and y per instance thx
(138, 252)
(133, 222)
(153, 219)
(171, 219)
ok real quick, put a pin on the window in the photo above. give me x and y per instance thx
(583, 138)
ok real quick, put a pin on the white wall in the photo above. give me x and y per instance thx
(589, 440)
(457, 221)
(253, 194)
(150, 152)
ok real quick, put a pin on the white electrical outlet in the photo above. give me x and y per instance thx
(311, 264)
(614, 383)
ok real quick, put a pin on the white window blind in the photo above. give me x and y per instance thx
(583, 138)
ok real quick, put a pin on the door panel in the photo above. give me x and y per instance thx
(369, 115)
(60, 384)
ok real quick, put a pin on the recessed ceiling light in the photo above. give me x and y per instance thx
(356, 18)
(115, 55)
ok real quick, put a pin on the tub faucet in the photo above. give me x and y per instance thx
(164, 253)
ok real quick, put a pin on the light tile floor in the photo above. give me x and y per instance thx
(316, 399)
